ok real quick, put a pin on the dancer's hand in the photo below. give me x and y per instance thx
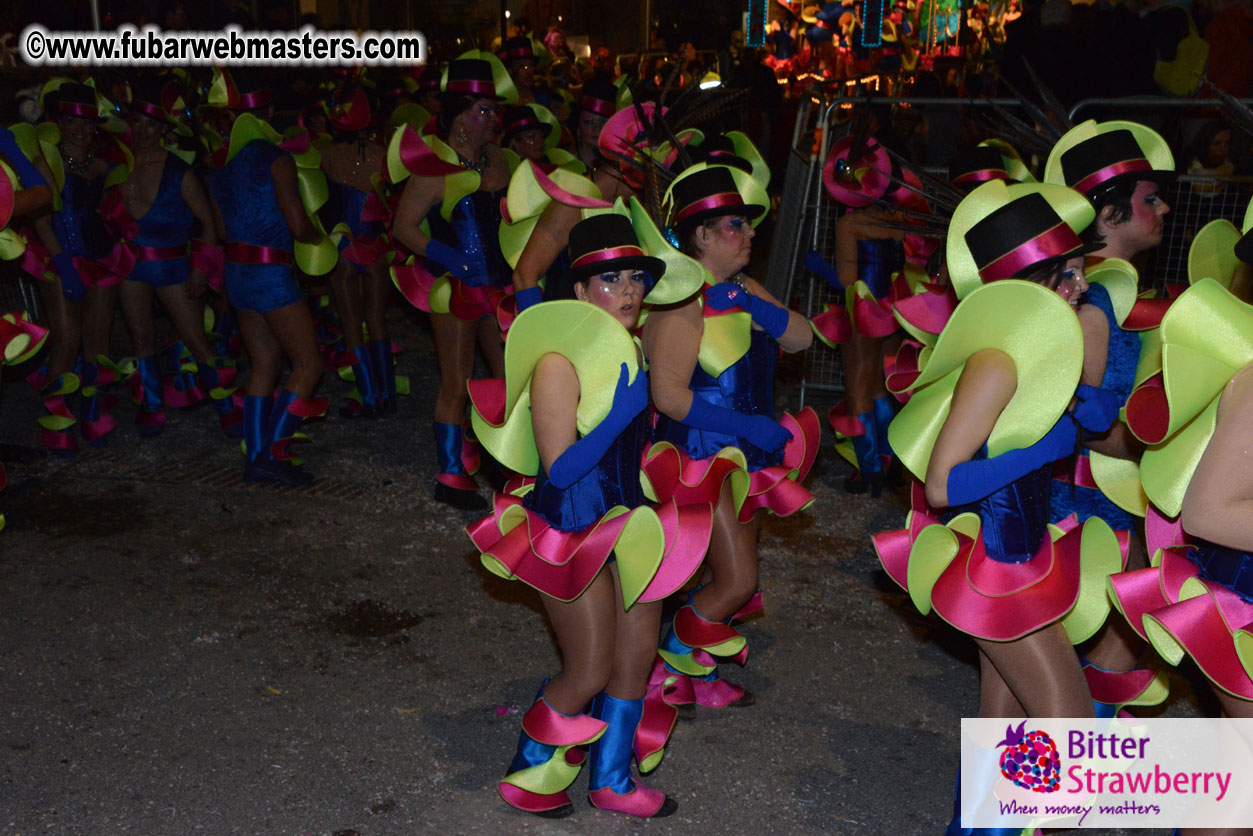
(772, 318)
(448, 258)
(1097, 409)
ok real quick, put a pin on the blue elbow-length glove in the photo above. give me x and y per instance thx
(22, 167)
(71, 283)
(818, 265)
(1096, 409)
(770, 317)
(761, 430)
(528, 296)
(973, 480)
(629, 400)
(448, 258)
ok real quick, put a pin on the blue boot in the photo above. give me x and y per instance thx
(610, 785)
(384, 367)
(703, 686)
(453, 486)
(365, 404)
(273, 463)
(146, 392)
(95, 422)
(869, 462)
(548, 759)
(226, 401)
(256, 418)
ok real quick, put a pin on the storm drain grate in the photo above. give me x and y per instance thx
(106, 465)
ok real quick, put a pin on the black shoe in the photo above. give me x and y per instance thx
(459, 499)
(557, 812)
(685, 712)
(279, 473)
(746, 699)
(668, 808)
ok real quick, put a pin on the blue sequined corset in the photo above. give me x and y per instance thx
(614, 481)
(474, 230)
(344, 205)
(78, 225)
(1124, 347)
(169, 221)
(1015, 518)
(1120, 371)
(878, 260)
(1231, 568)
(244, 189)
(747, 387)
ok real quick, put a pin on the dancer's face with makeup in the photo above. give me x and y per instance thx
(618, 292)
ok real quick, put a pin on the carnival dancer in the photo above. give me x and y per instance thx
(154, 211)
(584, 535)
(525, 133)
(988, 415)
(519, 58)
(542, 256)
(870, 253)
(461, 175)
(713, 368)
(1121, 167)
(354, 213)
(256, 195)
(1197, 599)
(79, 301)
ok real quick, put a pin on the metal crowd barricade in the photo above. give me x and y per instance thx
(18, 292)
(822, 378)
(808, 214)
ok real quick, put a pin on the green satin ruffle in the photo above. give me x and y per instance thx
(1207, 337)
(1039, 332)
(596, 345)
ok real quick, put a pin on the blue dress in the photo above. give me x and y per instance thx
(878, 260)
(474, 230)
(168, 223)
(77, 224)
(1231, 568)
(244, 190)
(344, 204)
(1014, 518)
(615, 480)
(747, 387)
(1120, 370)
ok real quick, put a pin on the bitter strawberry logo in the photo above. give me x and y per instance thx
(1030, 759)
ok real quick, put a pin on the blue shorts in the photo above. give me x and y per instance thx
(261, 287)
(166, 273)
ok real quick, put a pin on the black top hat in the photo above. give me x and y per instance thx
(77, 100)
(605, 243)
(471, 77)
(523, 118)
(1106, 159)
(972, 166)
(708, 194)
(1020, 236)
(719, 150)
(600, 96)
(517, 49)
(148, 99)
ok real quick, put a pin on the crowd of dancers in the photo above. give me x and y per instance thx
(991, 325)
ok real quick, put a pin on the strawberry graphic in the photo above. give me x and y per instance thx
(1030, 759)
